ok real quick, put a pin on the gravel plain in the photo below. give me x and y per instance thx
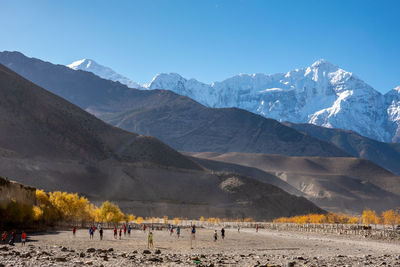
(247, 248)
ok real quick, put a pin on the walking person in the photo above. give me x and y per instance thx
(124, 229)
(171, 230)
(129, 230)
(120, 233)
(150, 240)
(238, 228)
(178, 231)
(73, 231)
(115, 232)
(101, 233)
(23, 238)
(256, 228)
(4, 237)
(223, 233)
(215, 236)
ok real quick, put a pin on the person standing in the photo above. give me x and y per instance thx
(115, 232)
(91, 232)
(129, 230)
(150, 240)
(193, 236)
(178, 231)
(23, 238)
(215, 236)
(73, 231)
(124, 229)
(256, 228)
(4, 237)
(101, 233)
(223, 233)
(171, 230)
(238, 228)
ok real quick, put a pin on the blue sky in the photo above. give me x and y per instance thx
(210, 40)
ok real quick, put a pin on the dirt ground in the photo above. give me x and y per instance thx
(247, 248)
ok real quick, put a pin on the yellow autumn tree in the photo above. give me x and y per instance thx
(390, 217)
(110, 213)
(139, 220)
(369, 217)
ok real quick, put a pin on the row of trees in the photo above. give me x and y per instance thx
(72, 208)
(368, 217)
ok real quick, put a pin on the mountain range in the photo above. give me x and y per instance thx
(187, 125)
(49, 143)
(322, 94)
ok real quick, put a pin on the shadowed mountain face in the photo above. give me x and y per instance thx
(386, 155)
(176, 120)
(335, 184)
(52, 144)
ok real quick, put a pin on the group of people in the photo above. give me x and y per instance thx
(216, 234)
(13, 236)
(127, 229)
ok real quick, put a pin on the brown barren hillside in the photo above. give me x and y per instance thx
(336, 184)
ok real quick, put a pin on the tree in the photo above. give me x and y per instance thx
(369, 217)
(109, 212)
(139, 220)
(390, 217)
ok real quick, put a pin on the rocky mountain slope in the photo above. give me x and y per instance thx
(52, 144)
(336, 184)
(322, 94)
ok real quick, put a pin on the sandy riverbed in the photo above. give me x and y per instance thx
(247, 248)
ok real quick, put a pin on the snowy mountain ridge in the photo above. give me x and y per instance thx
(102, 71)
(322, 94)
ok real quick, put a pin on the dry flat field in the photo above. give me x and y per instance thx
(247, 248)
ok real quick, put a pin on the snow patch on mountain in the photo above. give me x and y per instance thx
(102, 71)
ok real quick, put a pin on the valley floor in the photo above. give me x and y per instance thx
(247, 248)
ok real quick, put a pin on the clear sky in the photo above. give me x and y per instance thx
(210, 40)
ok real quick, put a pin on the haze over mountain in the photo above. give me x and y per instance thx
(335, 184)
(176, 120)
(322, 94)
(50, 143)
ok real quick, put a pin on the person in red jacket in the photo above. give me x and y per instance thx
(4, 237)
(73, 231)
(115, 232)
(23, 238)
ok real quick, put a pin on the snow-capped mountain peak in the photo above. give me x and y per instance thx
(324, 65)
(82, 62)
(102, 71)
